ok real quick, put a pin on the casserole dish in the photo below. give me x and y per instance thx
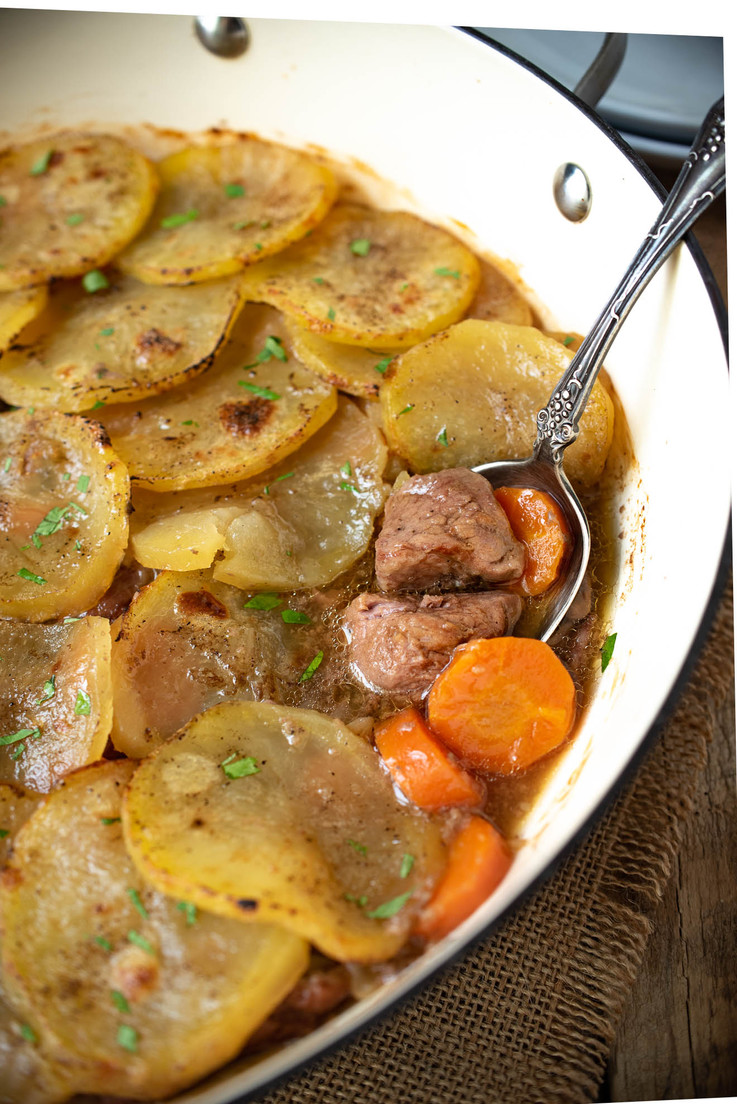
(477, 151)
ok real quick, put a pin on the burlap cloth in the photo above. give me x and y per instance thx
(529, 1015)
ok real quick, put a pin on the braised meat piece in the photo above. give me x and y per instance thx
(445, 529)
(400, 645)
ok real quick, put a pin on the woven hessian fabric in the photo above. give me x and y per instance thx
(530, 1014)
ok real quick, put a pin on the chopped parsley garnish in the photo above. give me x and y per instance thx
(66, 476)
(232, 191)
(453, 272)
(264, 224)
(83, 704)
(50, 524)
(390, 908)
(83, 484)
(6, 465)
(70, 620)
(119, 1001)
(279, 478)
(348, 487)
(4, 832)
(360, 247)
(568, 340)
(262, 392)
(109, 820)
(41, 164)
(408, 861)
(128, 1038)
(295, 617)
(98, 404)
(240, 768)
(95, 281)
(607, 650)
(107, 331)
(383, 365)
(3, 201)
(263, 602)
(346, 469)
(309, 672)
(361, 848)
(258, 246)
(74, 220)
(190, 422)
(273, 347)
(331, 315)
(442, 437)
(408, 407)
(48, 691)
(189, 910)
(21, 734)
(360, 901)
(26, 574)
(170, 222)
(318, 280)
(137, 902)
(140, 941)
(28, 1033)
(104, 943)
(244, 224)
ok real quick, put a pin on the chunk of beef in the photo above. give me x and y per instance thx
(445, 529)
(400, 645)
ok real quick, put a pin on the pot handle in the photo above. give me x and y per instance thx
(598, 78)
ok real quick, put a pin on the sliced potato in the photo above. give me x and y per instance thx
(325, 835)
(188, 642)
(16, 805)
(57, 689)
(223, 207)
(63, 514)
(499, 300)
(472, 394)
(118, 344)
(352, 369)
(17, 309)
(72, 201)
(27, 1074)
(374, 278)
(314, 512)
(256, 404)
(137, 995)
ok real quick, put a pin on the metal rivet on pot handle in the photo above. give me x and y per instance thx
(572, 191)
(224, 35)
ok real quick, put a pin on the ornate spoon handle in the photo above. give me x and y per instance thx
(701, 179)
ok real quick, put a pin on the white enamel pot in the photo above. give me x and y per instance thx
(467, 133)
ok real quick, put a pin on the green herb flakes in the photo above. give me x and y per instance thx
(348, 487)
(119, 1001)
(128, 1038)
(318, 280)
(4, 832)
(568, 340)
(408, 861)
(361, 848)
(104, 943)
(331, 315)
(70, 620)
(48, 691)
(140, 941)
(3, 201)
(83, 484)
(233, 191)
(137, 902)
(346, 469)
(107, 331)
(83, 704)
(390, 908)
(263, 602)
(452, 272)
(190, 422)
(66, 477)
(309, 672)
(26, 574)
(6, 465)
(382, 366)
(360, 247)
(442, 437)
(107, 821)
(244, 224)
(262, 392)
(74, 220)
(240, 768)
(258, 247)
(172, 221)
(607, 650)
(95, 281)
(41, 164)
(295, 617)
(98, 404)
(189, 910)
(28, 1033)
(361, 901)
(21, 734)
(408, 407)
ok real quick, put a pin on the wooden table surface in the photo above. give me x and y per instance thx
(677, 1039)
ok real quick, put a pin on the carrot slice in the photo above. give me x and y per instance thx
(421, 767)
(501, 704)
(478, 859)
(537, 520)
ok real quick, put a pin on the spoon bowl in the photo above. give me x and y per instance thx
(702, 178)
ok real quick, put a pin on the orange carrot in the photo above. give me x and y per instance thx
(537, 520)
(421, 766)
(478, 859)
(501, 704)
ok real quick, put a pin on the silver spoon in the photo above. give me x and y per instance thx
(701, 179)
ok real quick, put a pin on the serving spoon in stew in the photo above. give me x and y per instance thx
(701, 179)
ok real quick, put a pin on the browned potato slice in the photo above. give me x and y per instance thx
(137, 994)
(374, 278)
(188, 642)
(326, 834)
(17, 309)
(224, 207)
(472, 395)
(314, 512)
(71, 202)
(118, 344)
(63, 514)
(16, 805)
(352, 369)
(56, 699)
(498, 300)
(254, 406)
